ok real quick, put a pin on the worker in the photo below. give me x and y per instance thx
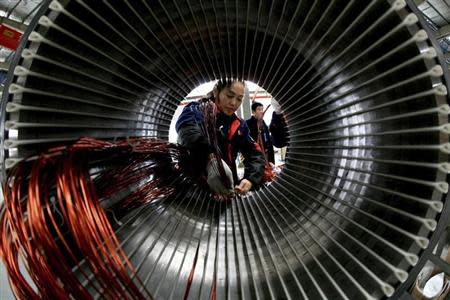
(278, 129)
(260, 132)
(213, 135)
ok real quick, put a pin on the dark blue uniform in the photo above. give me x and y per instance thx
(266, 140)
(232, 136)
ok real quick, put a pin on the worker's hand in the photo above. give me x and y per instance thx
(214, 179)
(243, 187)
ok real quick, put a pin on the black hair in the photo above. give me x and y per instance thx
(219, 86)
(226, 82)
(255, 105)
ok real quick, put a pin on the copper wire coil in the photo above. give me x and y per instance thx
(364, 185)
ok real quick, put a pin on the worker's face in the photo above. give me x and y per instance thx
(259, 113)
(230, 98)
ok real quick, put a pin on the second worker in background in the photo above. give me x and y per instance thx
(260, 132)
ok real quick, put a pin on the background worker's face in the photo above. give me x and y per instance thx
(259, 113)
(230, 98)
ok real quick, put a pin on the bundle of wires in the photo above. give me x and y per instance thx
(210, 130)
(53, 219)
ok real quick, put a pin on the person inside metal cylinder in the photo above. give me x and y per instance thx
(260, 132)
(278, 129)
(214, 135)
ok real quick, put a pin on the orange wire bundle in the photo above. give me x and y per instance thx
(59, 180)
(53, 219)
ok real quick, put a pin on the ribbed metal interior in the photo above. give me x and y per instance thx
(365, 174)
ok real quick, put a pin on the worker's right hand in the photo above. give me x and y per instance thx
(244, 186)
(214, 179)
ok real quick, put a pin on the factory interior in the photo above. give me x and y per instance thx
(97, 201)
